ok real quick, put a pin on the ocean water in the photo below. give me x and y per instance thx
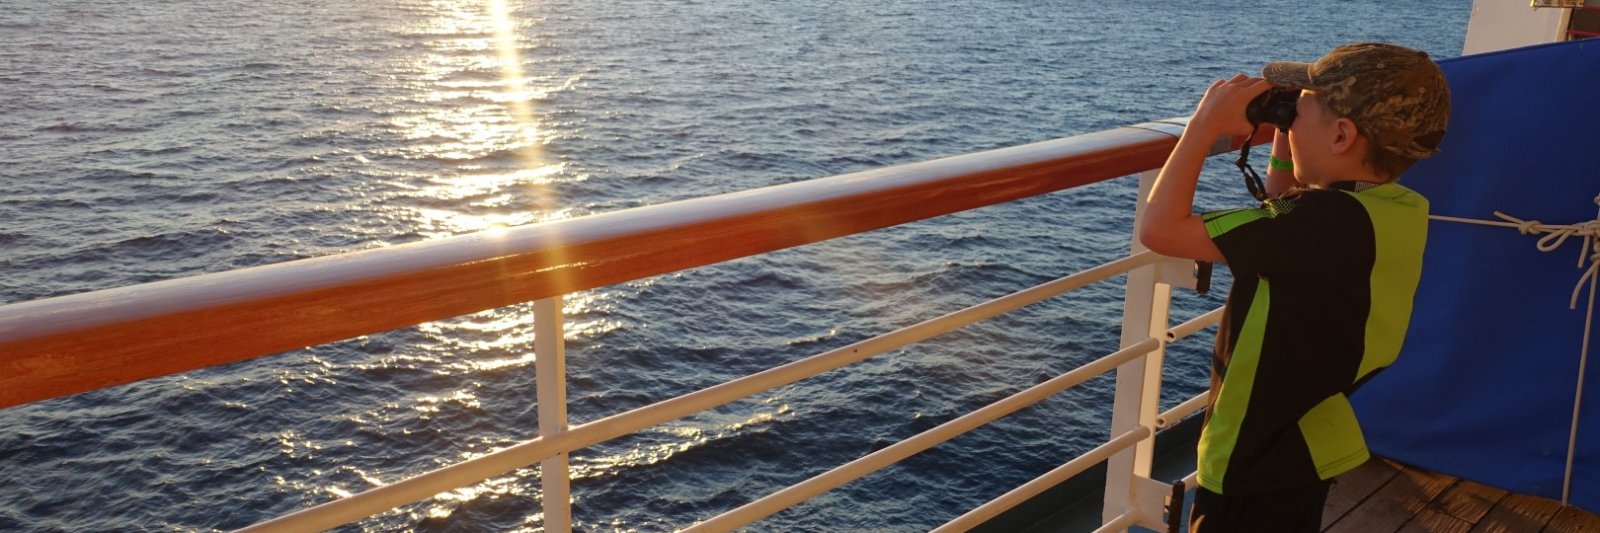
(151, 140)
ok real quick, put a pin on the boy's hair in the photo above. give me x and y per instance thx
(1388, 165)
(1397, 97)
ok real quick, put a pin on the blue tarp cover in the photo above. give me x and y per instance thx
(1485, 383)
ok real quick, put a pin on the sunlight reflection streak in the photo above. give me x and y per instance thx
(531, 151)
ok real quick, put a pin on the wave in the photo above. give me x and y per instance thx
(166, 73)
(79, 127)
(36, 203)
(114, 174)
(435, 34)
(261, 66)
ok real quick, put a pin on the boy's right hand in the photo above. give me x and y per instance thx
(1221, 110)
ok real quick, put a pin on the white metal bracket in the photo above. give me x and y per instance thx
(1150, 498)
(1183, 273)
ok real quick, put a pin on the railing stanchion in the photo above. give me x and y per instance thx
(550, 367)
(1138, 389)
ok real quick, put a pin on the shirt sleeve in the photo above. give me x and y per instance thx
(1269, 239)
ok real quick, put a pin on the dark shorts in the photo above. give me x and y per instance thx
(1287, 511)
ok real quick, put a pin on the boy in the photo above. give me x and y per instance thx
(1324, 273)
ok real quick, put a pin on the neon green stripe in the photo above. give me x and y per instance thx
(1220, 222)
(1227, 221)
(1333, 436)
(1221, 433)
(1400, 217)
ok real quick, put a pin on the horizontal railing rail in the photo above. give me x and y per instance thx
(70, 344)
(799, 492)
(1096, 455)
(1038, 485)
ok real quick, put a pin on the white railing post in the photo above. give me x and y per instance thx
(1138, 392)
(550, 368)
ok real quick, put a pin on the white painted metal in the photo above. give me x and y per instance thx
(1039, 484)
(1120, 522)
(1182, 410)
(1172, 416)
(799, 492)
(1150, 499)
(1177, 273)
(1195, 325)
(1171, 126)
(550, 370)
(358, 506)
(349, 509)
(1138, 389)
(1503, 24)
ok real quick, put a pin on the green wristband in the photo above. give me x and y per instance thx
(1279, 164)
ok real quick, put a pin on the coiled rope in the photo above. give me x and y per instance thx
(1555, 235)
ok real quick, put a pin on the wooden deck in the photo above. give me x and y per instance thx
(1386, 497)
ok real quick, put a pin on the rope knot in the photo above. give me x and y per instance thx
(1589, 229)
(1526, 227)
(1555, 236)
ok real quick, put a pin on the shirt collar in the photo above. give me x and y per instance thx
(1352, 185)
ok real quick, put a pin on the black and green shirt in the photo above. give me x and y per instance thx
(1322, 287)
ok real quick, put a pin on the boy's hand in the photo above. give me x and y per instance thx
(1170, 226)
(1221, 110)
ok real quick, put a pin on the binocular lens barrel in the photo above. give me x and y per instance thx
(1276, 107)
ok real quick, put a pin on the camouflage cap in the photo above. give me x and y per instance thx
(1397, 96)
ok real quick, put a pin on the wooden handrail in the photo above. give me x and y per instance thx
(70, 344)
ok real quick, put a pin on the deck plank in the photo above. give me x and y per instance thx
(1433, 520)
(1394, 504)
(1468, 501)
(1353, 487)
(1518, 513)
(1573, 520)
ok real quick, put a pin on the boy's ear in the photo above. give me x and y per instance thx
(1345, 135)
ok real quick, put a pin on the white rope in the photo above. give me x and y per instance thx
(1556, 234)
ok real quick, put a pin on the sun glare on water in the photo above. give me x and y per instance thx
(473, 129)
(483, 129)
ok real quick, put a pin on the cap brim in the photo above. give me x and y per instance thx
(1293, 74)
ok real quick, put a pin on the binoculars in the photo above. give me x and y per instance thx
(1276, 107)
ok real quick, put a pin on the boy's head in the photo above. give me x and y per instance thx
(1393, 100)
